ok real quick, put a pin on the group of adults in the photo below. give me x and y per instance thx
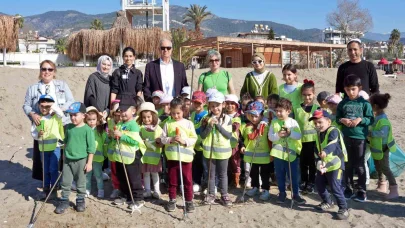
(169, 76)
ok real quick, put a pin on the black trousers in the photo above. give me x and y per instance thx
(307, 162)
(197, 167)
(356, 149)
(36, 162)
(264, 170)
(334, 179)
(134, 171)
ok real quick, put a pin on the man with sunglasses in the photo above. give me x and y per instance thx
(164, 74)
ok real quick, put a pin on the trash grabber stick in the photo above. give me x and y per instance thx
(251, 162)
(289, 170)
(193, 65)
(43, 155)
(209, 165)
(181, 175)
(126, 174)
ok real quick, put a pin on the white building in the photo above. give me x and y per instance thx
(334, 36)
(261, 32)
(31, 42)
(149, 9)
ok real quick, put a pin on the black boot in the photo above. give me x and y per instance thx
(80, 205)
(63, 205)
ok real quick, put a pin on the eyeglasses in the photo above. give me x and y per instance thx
(214, 60)
(257, 61)
(46, 106)
(165, 48)
(47, 69)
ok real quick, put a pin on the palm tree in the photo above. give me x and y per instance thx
(20, 20)
(97, 25)
(61, 45)
(271, 34)
(196, 14)
(179, 36)
(394, 40)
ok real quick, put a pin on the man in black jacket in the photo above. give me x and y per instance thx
(164, 74)
(362, 68)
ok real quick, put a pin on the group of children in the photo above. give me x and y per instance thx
(294, 142)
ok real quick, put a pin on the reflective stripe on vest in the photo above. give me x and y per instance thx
(100, 139)
(172, 150)
(376, 143)
(235, 138)
(53, 130)
(151, 157)
(127, 151)
(279, 149)
(221, 147)
(333, 162)
(258, 149)
(307, 127)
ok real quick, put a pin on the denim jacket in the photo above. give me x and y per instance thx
(64, 98)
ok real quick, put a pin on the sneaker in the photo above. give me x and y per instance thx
(299, 200)
(105, 176)
(303, 186)
(137, 205)
(310, 188)
(147, 194)
(171, 206)
(252, 192)
(100, 193)
(265, 195)
(226, 201)
(196, 188)
(120, 201)
(87, 194)
(209, 199)
(115, 193)
(281, 197)
(348, 193)
(73, 187)
(107, 171)
(361, 197)
(63, 205)
(248, 182)
(190, 207)
(156, 194)
(342, 214)
(324, 206)
(80, 205)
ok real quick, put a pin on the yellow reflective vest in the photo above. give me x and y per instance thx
(295, 97)
(258, 148)
(279, 149)
(112, 143)
(127, 150)
(221, 147)
(151, 156)
(376, 143)
(53, 131)
(307, 127)
(332, 162)
(101, 146)
(235, 132)
(197, 146)
(172, 149)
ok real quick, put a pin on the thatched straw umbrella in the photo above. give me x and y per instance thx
(8, 35)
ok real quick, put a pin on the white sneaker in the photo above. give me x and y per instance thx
(87, 194)
(215, 191)
(156, 195)
(252, 192)
(265, 195)
(147, 194)
(115, 193)
(105, 176)
(73, 188)
(196, 188)
(100, 194)
(107, 171)
(248, 183)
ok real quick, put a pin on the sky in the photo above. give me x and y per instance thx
(302, 14)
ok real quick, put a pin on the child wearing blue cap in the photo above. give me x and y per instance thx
(78, 155)
(49, 135)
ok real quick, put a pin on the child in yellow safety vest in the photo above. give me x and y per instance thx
(216, 133)
(381, 144)
(128, 154)
(256, 150)
(301, 114)
(49, 134)
(93, 119)
(286, 137)
(291, 90)
(150, 131)
(331, 155)
(112, 121)
(179, 138)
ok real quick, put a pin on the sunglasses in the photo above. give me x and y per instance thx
(46, 106)
(258, 61)
(165, 48)
(47, 69)
(214, 60)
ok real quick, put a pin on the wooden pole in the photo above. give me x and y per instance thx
(4, 57)
(331, 58)
(290, 57)
(308, 57)
(281, 55)
(253, 49)
(180, 54)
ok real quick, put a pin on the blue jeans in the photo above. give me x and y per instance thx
(51, 164)
(281, 167)
(97, 172)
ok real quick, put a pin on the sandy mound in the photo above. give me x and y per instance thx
(17, 187)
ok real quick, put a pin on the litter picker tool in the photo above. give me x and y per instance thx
(209, 165)
(251, 162)
(181, 175)
(193, 66)
(42, 127)
(133, 208)
(289, 171)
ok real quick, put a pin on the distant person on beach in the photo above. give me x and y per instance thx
(357, 66)
(47, 85)
(216, 78)
(259, 81)
(165, 73)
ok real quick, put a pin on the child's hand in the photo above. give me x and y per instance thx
(158, 142)
(212, 121)
(41, 133)
(88, 167)
(242, 150)
(282, 134)
(322, 155)
(271, 158)
(355, 122)
(345, 121)
(117, 134)
(179, 140)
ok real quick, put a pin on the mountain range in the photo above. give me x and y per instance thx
(62, 23)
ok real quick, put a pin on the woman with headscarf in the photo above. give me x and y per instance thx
(97, 91)
(259, 82)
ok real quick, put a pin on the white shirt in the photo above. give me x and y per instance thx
(290, 124)
(167, 75)
(260, 77)
(52, 90)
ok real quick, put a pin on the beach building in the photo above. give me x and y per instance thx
(333, 36)
(32, 42)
